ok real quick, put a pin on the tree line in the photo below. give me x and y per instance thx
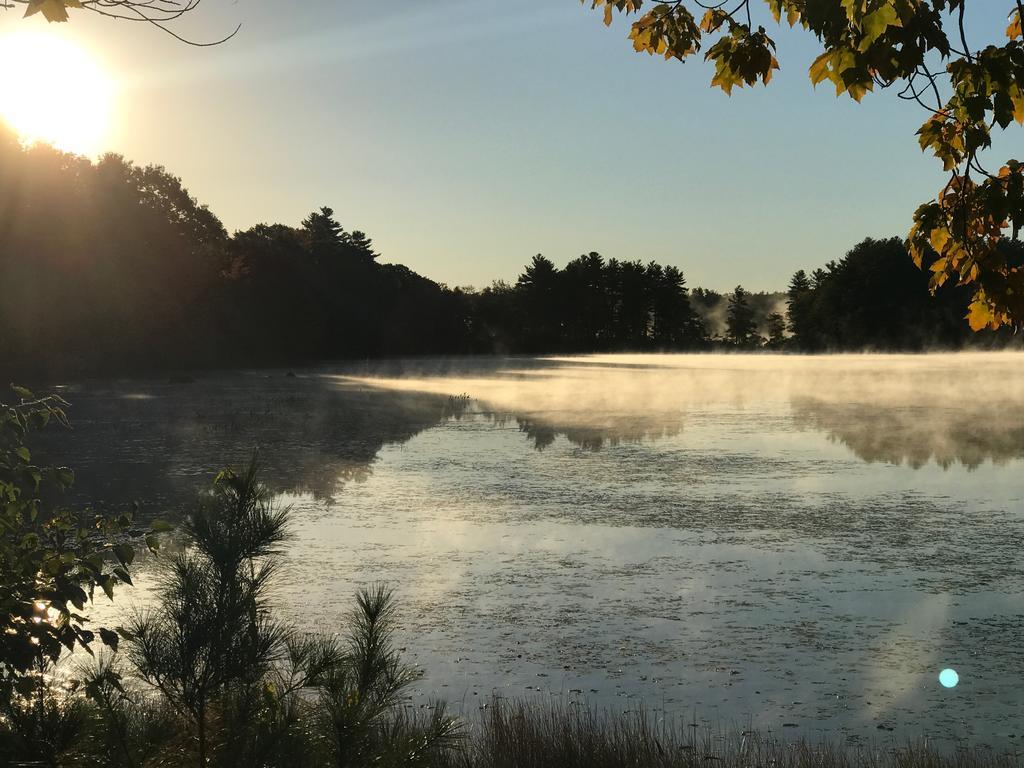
(111, 268)
(875, 299)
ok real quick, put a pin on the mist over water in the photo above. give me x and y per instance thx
(946, 408)
(797, 543)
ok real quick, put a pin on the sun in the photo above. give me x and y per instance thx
(54, 91)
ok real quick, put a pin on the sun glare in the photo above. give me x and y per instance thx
(54, 91)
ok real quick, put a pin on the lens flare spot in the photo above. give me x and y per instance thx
(949, 678)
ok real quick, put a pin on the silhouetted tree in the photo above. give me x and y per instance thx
(596, 305)
(676, 324)
(797, 305)
(495, 319)
(211, 629)
(538, 287)
(590, 307)
(327, 238)
(875, 299)
(741, 330)
(135, 259)
(361, 245)
(776, 327)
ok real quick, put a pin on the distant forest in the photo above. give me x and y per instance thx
(110, 268)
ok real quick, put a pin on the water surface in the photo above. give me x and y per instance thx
(793, 543)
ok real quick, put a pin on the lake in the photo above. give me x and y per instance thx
(798, 544)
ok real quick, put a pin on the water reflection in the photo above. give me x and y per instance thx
(954, 409)
(157, 442)
(591, 432)
(967, 433)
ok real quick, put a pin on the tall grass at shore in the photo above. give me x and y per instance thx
(519, 734)
(307, 732)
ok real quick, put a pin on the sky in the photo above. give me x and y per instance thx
(465, 136)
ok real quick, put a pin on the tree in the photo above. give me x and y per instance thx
(585, 292)
(211, 629)
(882, 44)
(247, 689)
(874, 298)
(494, 319)
(538, 286)
(326, 235)
(740, 327)
(797, 301)
(51, 559)
(776, 326)
(676, 324)
(361, 245)
(136, 258)
(632, 301)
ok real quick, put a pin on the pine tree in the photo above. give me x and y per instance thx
(326, 235)
(361, 244)
(798, 299)
(741, 330)
(776, 327)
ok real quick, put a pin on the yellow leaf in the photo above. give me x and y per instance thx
(915, 250)
(980, 316)
(53, 10)
(939, 237)
(857, 90)
(608, 14)
(875, 24)
(819, 68)
(1018, 107)
(1014, 30)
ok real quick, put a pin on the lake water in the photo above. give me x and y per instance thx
(798, 544)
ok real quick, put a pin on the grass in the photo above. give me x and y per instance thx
(516, 734)
(507, 734)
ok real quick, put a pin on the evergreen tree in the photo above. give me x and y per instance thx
(740, 328)
(211, 628)
(676, 324)
(776, 327)
(326, 235)
(798, 298)
(361, 245)
(538, 287)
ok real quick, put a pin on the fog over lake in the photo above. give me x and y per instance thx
(793, 543)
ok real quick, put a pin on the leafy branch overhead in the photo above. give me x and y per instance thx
(921, 47)
(158, 13)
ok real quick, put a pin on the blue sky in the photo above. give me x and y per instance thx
(465, 136)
